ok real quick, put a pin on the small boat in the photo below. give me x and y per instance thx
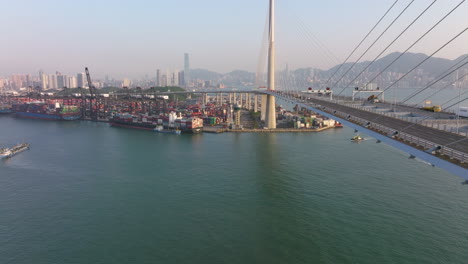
(9, 152)
(5, 153)
(357, 138)
(160, 129)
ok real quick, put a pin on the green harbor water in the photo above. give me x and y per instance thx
(89, 193)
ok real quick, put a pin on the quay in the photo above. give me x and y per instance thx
(279, 130)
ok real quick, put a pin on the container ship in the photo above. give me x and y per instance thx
(40, 110)
(134, 121)
(9, 152)
(170, 122)
(5, 109)
(160, 129)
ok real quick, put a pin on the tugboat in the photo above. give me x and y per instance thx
(9, 152)
(357, 138)
(160, 129)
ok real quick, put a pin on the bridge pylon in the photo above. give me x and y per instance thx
(270, 116)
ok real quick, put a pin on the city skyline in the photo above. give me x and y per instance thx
(285, 77)
(155, 35)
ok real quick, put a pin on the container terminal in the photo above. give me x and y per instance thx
(184, 113)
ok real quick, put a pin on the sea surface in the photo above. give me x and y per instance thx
(90, 193)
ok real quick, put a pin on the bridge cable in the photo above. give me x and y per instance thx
(458, 141)
(375, 41)
(319, 43)
(292, 83)
(412, 45)
(433, 82)
(419, 64)
(261, 66)
(459, 102)
(322, 53)
(454, 98)
(441, 89)
(360, 43)
(389, 45)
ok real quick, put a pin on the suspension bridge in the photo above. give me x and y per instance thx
(417, 137)
(401, 124)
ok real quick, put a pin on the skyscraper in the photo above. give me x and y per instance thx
(181, 78)
(158, 77)
(61, 81)
(43, 79)
(164, 80)
(72, 82)
(52, 82)
(175, 78)
(81, 80)
(186, 69)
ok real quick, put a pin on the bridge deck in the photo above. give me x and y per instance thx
(440, 137)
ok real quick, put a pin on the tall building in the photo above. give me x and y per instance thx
(81, 80)
(175, 78)
(164, 80)
(158, 77)
(126, 83)
(16, 81)
(186, 69)
(52, 82)
(61, 81)
(181, 78)
(43, 79)
(28, 81)
(168, 78)
(72, 82)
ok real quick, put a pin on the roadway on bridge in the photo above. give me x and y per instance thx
(439, 137)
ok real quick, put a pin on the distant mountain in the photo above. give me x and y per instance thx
(433, 66)
(238, 78)
(234, 78)
(427, 71)
(204, 74)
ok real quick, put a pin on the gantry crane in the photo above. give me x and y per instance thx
(93, 97)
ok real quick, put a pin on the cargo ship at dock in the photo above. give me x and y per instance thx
(41, 110)
(5, 109)
(9, 152)
(160, 129)
(171, 122)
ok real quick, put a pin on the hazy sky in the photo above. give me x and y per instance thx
(134, 38)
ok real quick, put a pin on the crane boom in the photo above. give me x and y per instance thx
(93, 97)
(90, 83)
